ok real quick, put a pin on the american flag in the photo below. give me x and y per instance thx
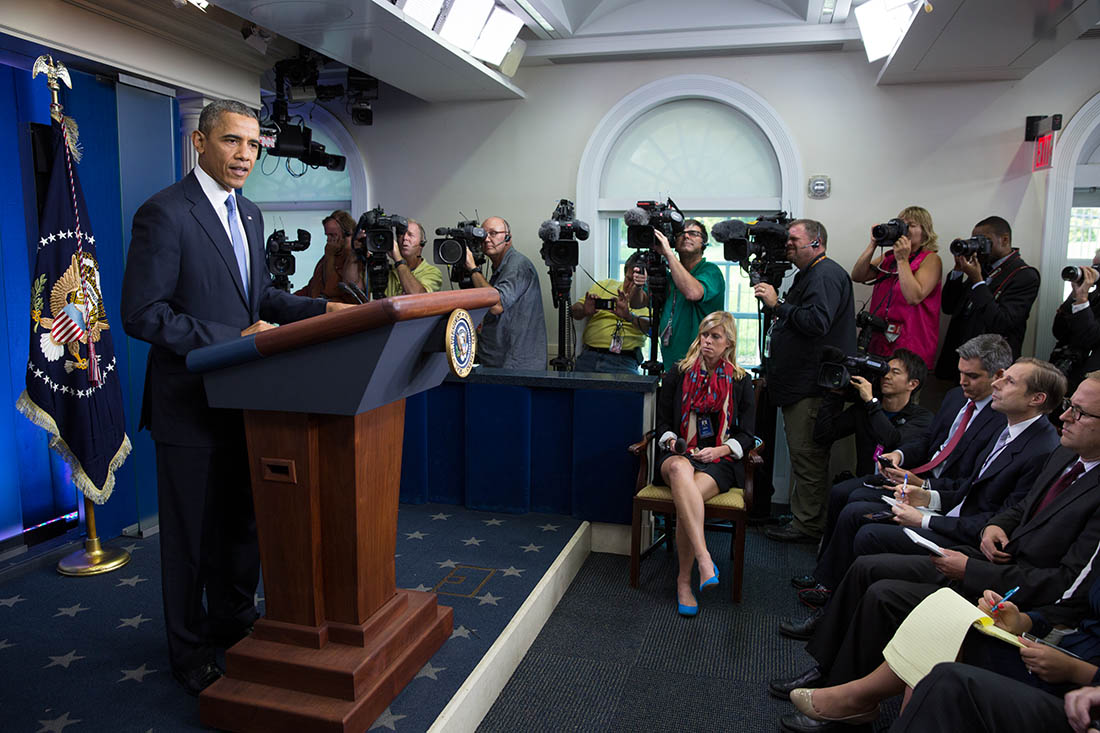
(68, 326)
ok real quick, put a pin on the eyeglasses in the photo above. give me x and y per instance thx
(1076, 411)
(694, 233)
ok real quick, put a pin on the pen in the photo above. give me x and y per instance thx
(997, 606)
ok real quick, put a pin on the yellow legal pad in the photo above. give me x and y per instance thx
(934, 631)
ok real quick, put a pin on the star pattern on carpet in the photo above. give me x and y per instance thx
(70, 611)
(422, 588)
(549, 527)
(461, 632)
(531, 547)
(472, 541)
(132, 581)
(447, 564)
(130, 548)
(137, 675)
(386, 720)
(5, 645)
(133, 622)
(511, 570)
(57, 724)
(63, 661)
(9, 602)
(488, 598)
(429, 671)
(415, 535)
(442, 516)
(492, 522)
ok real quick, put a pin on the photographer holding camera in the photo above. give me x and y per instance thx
(817, 311)
(990, 290)
(617, 325)
(338, 263)
(1075, 326)
(699, 288)
(410, 272)
(906, 280)
(513, 334)
(879, 423)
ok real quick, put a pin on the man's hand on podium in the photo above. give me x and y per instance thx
(333, 306)
(259, 326)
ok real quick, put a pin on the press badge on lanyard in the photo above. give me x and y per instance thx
(616, 346)
(704, 426)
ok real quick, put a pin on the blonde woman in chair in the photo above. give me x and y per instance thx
(705, 419)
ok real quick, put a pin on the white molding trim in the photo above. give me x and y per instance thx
(686, 86)
(1071, 143)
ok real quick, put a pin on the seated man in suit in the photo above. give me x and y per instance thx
(1026, 393)
(948, 452)
(1040, 544)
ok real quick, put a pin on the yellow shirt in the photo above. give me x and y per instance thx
(602, 325)
(427, 275)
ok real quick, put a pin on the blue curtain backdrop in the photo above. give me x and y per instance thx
(129, 137)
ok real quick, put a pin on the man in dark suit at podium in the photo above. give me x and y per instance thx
(195, 276)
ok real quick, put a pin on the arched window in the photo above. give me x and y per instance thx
(714, 146)
(293, 196)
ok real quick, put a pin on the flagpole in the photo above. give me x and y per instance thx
(94, 558)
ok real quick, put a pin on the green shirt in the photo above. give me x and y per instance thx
(686, 315)
(427, 275)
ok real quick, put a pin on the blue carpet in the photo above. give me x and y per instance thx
(89, 654)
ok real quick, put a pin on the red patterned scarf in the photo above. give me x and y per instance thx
(708, 393)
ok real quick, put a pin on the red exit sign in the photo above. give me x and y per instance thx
(1044, 152)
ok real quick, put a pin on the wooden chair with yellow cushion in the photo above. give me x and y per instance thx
(732, 506)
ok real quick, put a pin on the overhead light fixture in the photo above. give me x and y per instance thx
(497, 36)
(883, 23)
(463, 21)
(535, 15)
(423, 12)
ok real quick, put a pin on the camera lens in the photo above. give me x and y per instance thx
(1074, 274)
(451, 251)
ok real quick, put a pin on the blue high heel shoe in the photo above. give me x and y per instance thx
(686, 610)
(712, 580)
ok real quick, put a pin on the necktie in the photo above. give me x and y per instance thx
(1059, 486)
(955, 438)
(1002, 441)
(238, 241)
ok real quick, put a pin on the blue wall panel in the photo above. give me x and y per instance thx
(414, 452)
(498, 470)
(607, 422)
(551, 457)
(447, 441)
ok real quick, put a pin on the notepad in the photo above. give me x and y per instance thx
(924, 542)
(933, 633)
(922, 509)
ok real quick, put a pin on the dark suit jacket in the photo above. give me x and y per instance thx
(1049, 549)
(1007, 480)
(181, 290)
(1001, 306)
(1080, 330)
(957, 467)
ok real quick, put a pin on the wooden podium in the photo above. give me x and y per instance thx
(324, 409)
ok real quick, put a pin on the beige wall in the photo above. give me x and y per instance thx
(956, 149)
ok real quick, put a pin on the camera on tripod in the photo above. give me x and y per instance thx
(451, 247)
(759, 247)
(884, 235)
(560, 234)
(280, 255)
(380, 230)
(976, 245)
(868, 324)
(837, 368)
(648, 216)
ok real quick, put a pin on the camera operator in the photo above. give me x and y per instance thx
(513, 334)
(879, 424)
(817, 311)
(613, 339)
(907, 287)
(338, 263)
(987, 293)
(1076, 327)
(410, 273)
(699, 289)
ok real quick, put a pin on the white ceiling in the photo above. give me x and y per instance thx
(960, 40)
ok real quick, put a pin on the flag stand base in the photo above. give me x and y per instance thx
(93, 559)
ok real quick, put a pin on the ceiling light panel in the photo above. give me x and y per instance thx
(882, 23)
(497, 36)
(464, 22)
(424, 12)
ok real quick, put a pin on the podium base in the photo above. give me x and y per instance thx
(294, 679)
